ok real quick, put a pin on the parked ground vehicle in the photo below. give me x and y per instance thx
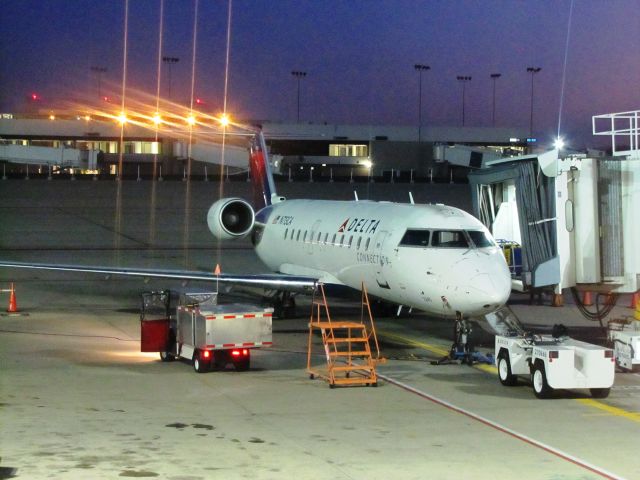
(203, 331)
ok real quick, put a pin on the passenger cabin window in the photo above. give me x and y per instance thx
(333, 240)
(318, 239)
(350, 240)
(480, 238)
(298, 236)
(304, 238)
(359, 242)
(366, 247)
(326, 237)
(286, 232)
(415, 238)
(449, 239)
(341, 240)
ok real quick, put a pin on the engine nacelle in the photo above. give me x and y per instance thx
(230, 218)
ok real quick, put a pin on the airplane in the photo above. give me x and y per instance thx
(434, 258)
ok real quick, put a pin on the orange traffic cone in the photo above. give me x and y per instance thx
(586, 299)
(13, 305)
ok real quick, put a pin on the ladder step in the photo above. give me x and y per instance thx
(351, 368)
(353, 353)
(338, 324)
(347, 339)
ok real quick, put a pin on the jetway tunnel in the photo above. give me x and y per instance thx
(574, 217)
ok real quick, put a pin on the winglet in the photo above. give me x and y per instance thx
(217, 270)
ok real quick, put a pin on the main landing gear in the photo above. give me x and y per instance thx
(284, 305)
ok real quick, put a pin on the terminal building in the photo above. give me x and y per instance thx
(299, 150)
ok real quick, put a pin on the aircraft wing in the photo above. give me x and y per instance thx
(269, 281)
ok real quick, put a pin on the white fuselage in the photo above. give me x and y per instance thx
(359, 242)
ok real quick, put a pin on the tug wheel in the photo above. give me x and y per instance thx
(539, 379)
(507, 378)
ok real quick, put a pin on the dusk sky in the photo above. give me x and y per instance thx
(359, 56)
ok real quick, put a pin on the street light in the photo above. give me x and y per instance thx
(99, 71)
(420, 68)
(532, 71)
(298, 76)
(494, 77)
(170, 61)
(464, 79)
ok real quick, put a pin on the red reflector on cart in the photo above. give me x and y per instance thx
(235, 353)
(608, 354)
(553, 354)
(206, 354)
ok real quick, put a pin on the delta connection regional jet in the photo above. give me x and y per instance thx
(433, 258)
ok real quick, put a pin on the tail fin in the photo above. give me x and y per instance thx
(260, 170)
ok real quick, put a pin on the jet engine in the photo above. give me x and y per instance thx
(230, 218)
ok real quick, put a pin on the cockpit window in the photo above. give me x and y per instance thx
(449, 239)
(415, 238)
(480, 238)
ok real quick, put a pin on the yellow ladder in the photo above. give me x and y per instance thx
(346, 344)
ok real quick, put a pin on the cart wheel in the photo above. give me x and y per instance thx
(199, 365)
(332, 385)
(374, 384)
(539, 379)
(167, 357)
(507, 378)
(311, 376)
(599, 392)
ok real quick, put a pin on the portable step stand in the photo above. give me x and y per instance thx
(346, 344)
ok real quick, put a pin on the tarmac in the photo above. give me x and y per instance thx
(79, 400)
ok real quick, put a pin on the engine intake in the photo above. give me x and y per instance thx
(230, 218)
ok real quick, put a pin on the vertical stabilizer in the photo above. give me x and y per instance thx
(260, 170)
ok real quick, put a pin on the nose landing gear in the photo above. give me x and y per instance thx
(461, 349)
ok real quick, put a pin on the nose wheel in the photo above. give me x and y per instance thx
(461, 349)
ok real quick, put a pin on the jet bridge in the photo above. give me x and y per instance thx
(575, 217)
(61, 156)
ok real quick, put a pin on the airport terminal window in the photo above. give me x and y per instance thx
(480, 238)
(304, 238)
(286, 232)
(449, 239)
(333, 240)
(415, 238)
(350, 240)
(326, 237)
(341, 240)
(298, 236)
(318, 239)
(359, 242)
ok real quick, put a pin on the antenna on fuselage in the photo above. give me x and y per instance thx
(355, 194)
(411, 199)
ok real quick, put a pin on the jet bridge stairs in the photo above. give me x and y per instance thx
(347, 344)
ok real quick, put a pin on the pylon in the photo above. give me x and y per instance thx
(587, 301)
(13, 305)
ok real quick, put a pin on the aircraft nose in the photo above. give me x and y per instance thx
(493, 290)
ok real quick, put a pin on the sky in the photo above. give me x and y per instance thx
(359, 56)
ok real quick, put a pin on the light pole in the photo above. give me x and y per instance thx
(532, 71)
(494, 77)
(298, 75)
(170, 61)
(99, 71)
(464, 79)
(420, 68)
